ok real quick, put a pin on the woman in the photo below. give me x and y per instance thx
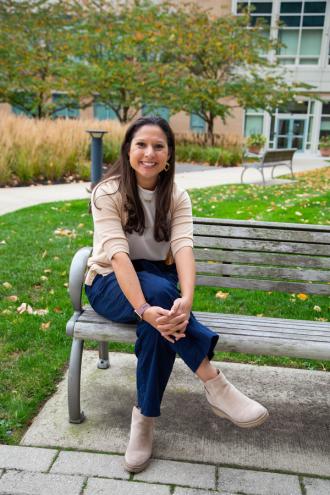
(143, 239)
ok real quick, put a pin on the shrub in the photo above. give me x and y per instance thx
(211, 155)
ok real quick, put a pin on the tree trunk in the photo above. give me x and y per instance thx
(210, 129)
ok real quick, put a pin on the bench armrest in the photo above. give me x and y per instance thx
(77, 276)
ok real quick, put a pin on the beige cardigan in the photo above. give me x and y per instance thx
(109, 235)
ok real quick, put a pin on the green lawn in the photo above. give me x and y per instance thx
(36, 247)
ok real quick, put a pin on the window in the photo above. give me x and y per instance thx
(254, 122)
(20, 111)
(301, 29)
(197, 124)
(66, 109)
(325, 120)
(259, 10)
(162, 112)
(103, 112)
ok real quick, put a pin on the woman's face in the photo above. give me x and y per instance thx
(148, 155)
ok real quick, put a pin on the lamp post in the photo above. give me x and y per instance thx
(96, 155)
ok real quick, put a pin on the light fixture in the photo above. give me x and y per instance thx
(96, 133)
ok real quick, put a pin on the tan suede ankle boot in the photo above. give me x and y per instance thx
(228, 402)
(139, 447)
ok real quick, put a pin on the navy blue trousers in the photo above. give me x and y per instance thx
(155, 355)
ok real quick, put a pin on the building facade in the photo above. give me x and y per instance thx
(303, 27)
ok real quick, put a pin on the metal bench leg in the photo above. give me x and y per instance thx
(75, 415)
(103, 362)
(263, 176)
(291, 168)
(243, 172)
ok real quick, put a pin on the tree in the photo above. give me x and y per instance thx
(222, 64)
(34, 54)
(117, 52)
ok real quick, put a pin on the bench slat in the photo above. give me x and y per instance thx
(257, 224)
(263, 272)
(261, 233)
(224, 321)
(251, 344)
(234, 283)
(281, 323)
(293, 260)
(261, 246)
(104, 331)
(273, 347)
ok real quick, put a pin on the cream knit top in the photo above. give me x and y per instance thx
(110, 238)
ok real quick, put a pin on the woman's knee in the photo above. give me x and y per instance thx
(159, 291)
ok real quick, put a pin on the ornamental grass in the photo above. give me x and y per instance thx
(49, 150)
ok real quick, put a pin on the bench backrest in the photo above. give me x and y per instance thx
(262, 255)
(280, 155)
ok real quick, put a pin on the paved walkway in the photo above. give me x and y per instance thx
(187, 176)
(34, 471)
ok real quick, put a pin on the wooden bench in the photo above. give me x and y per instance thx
(273, 159)
(293, 258)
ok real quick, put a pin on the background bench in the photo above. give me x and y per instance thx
(273, 159)
(265, 256)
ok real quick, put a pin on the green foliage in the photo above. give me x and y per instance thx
(211, 155)
(34, 54)
(325, 141)
(129, 54)
(256, 140)
(111, 151)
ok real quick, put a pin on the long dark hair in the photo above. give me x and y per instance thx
(128, 184)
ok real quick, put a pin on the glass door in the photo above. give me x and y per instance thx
(291, 132)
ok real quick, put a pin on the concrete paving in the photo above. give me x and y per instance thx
(195, 452)
(187, 176)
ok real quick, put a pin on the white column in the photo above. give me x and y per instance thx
(316, 126)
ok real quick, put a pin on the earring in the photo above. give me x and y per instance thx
(167, 167)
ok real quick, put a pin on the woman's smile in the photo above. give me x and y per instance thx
(148, 155)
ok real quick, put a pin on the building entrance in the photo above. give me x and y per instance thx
(291, 132)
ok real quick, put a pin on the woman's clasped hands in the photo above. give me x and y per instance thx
(171, 324)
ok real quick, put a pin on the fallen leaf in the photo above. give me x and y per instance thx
(320, 319)
(302, 297)
(260, 315)
(66, 284)
(6, 312)
(65, 232)
(40, 312)
(317, 308)
(222, 295)
(57, 309)
(44, 254)
(7, 285)
(24, 307)
(298, 214)
(12, 298)
(3, 242)
(45, 326)
(56, 258)
(47, 270)
(51, 291)
(43, 277)
(81, 225)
